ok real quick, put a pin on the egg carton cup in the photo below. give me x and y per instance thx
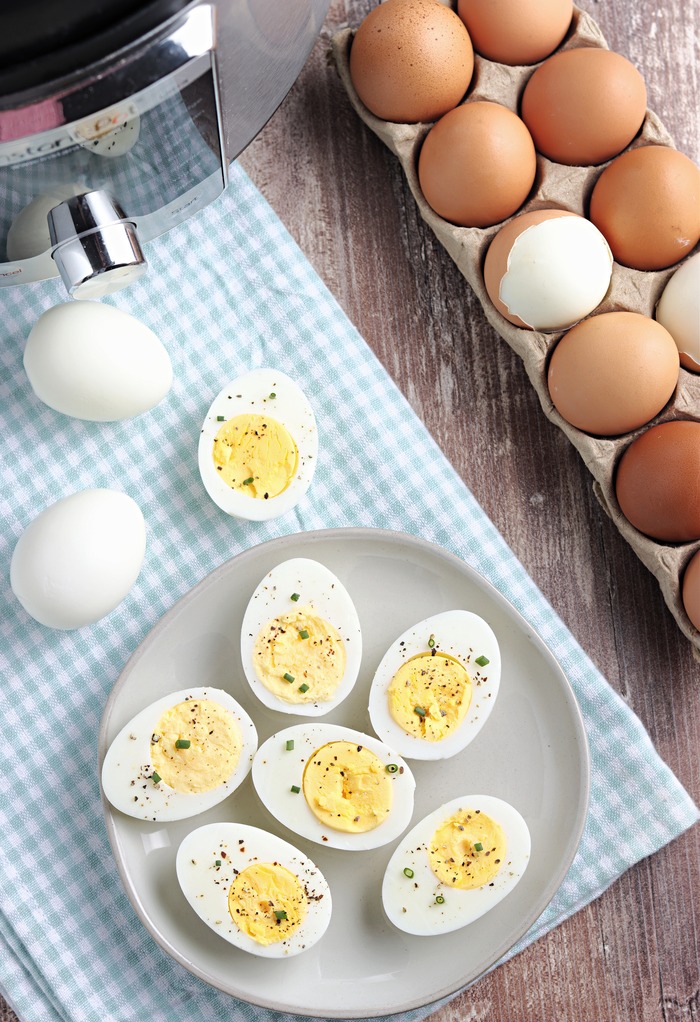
(566, 188)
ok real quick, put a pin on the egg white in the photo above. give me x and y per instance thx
(319, 588)
(409, 902)
(276, 769)
(464, 636)
(236, 845)
(251, 394)
(127, 767)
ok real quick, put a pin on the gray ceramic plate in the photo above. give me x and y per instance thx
(531, 752)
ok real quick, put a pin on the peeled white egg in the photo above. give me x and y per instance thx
(28, 235)
(258, 446)
(678, 310)
(78, 559)
(459, 839)
(109, 139)
(254, 889)
(94, 361)
(301, 642)
(334, 785)
(436, 685)
(179, 756)
(547, 269)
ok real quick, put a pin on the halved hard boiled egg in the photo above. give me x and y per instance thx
(334, 785)
(180, 756)
(254, 889)
(258, 446)
(436, 685)
(455, 865)
(301, 642)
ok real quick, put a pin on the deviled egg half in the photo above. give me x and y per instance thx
(456, 864)
(180, 756)
(258, 446)
(436, 685)
(301, 642)
(335, 786)
(254, 889)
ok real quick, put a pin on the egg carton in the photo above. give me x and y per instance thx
(631, 290)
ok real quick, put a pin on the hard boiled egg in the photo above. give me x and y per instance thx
(459, 862)
(334, 785)
(258, 446)
(179, 756)
(254, 889)
(96, 362)
(436, 685)
(78, 559)
(301, 642)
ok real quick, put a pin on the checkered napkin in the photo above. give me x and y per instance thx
(227, 291)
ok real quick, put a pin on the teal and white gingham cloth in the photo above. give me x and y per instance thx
(226, 292)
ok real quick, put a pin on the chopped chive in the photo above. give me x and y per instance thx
(290, 745)
(280, 914)
(182, 743)
(296, 789)
(392, 768)
(482, 661)
(155, 777)
(288, 677)
(431, 641)
(218, 862)
(408, 872)
(248, 481)
(272, 394)
(478, 847)
(439, 900)
(220, 418)
(294, 596)
(304, 687)
(419, 710)
(303, 634)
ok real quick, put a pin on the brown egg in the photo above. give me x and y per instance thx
(584, 106)
(647, 204)
(516, 31)
(546, 269)
(477, 164)
(411, 60)
(613, 373)
(657, 482)
(690, 590)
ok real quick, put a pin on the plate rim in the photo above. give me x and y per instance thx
(433, 549)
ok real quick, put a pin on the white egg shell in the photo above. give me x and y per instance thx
(464, 636)
(78, 559)
(115, 142)
(318, 587)
(236, 845)
(94, 361)
(678, 309)
(276, 769)
(251, 393)
(409, 901)
(127, 767)
(558, 272)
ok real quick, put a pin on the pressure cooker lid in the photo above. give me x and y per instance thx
(42, 40)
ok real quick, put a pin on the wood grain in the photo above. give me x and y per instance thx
(634, 953)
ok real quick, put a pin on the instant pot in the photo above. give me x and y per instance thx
(119, 119)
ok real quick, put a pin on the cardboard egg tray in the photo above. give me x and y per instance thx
(632, 290)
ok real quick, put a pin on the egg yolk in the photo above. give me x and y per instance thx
(300, 657)
(347, 787)
(255, 455)
(267, 901)
(429, 695)
(467, 850)
(196, 746)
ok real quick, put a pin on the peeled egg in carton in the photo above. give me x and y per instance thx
(631, 290)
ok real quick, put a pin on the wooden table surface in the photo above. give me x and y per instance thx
(634, 953)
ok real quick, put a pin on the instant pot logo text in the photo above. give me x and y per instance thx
(17, 152)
